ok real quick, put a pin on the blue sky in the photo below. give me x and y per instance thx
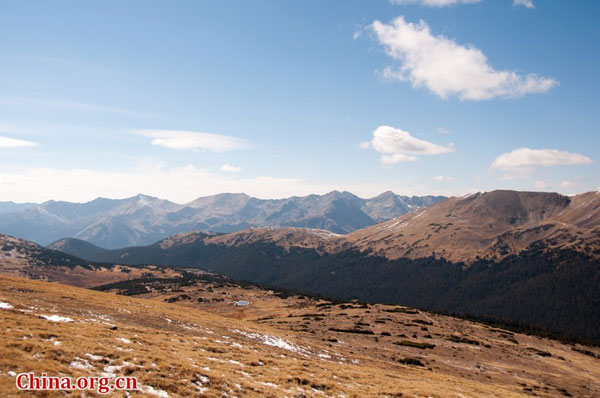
(279, 98)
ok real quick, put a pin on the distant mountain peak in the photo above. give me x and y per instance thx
(144, 219)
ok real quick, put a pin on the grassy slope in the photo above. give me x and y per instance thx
(185, 351)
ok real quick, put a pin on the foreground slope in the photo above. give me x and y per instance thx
(304, 349)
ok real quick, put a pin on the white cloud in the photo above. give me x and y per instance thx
(442, 178)
(435, 3)
(193, 141)
(228, 168)
(524, 3)
(568, 184)
(447, 68)
(364, 145)
(522, 159)
(397, 146)
(397, 158)
(443, 130)
(7, 142)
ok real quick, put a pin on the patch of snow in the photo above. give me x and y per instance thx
(94, 357)
(272, 385)
(111, 370)
(236, 362)
(323, 232)
(157, 393)
(100, 316)
(81, 364)
(420, 214)
(5, 306)
(124, 340)
(203, 379)
(199, 387)
(168, 320)
(56, 318)
(274, 342)
(11, 373)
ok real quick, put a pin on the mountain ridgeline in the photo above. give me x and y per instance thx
(142, 220)
(523, 258)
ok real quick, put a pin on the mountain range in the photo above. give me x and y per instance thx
(142, 220)
(482, 225)
(529, 258)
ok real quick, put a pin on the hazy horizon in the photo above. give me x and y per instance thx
(270, 198)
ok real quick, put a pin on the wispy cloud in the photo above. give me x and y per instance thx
(524, 3)
(447, 68)
(435, 3)
(523, 159)
(539, 184)
(192, 140)
(58, 104)
(569, 184)
(565, 184)
(228, 168)
(7, 142)
(398, 146)
(443, 178)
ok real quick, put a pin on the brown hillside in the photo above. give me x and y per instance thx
(491, 224)
(22, 258)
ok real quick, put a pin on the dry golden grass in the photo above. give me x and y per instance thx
(186, 351)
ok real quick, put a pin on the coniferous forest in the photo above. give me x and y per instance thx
(556, 291)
